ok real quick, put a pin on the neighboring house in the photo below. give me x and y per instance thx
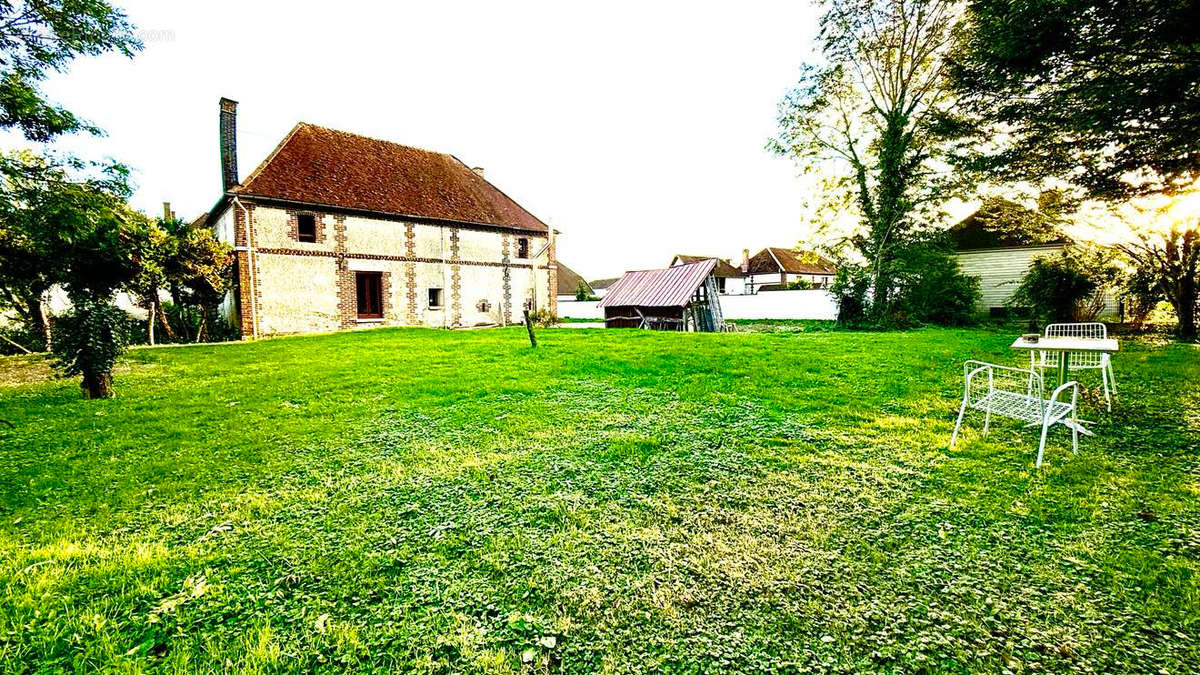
(991, 246)
(600, 286)
(682, 298)
(776, 267)
(335, 230)
(568, 284)
(729, 278)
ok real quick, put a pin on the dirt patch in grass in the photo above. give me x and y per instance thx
(24, 369)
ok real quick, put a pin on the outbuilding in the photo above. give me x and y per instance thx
(681, 298)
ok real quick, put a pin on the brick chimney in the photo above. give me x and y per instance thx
(229, 168)
(745, 261)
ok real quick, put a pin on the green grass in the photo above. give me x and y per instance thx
(399, 500)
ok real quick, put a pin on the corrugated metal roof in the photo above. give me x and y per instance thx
(671, 287)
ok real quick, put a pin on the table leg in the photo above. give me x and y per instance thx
(1062, 368)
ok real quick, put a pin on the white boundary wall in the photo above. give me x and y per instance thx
(815, 304)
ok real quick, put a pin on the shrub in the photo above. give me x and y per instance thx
(88, 340)
(931, 289)
(851, 287)
(543, 317)
(1063, 287)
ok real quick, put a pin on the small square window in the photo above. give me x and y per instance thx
(435, 298)
(306, 227)
(522, 247)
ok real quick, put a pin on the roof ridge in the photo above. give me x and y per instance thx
(322, 127)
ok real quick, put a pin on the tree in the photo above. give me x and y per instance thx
(1102, 94)
(869, 117)
(1165, 251)
(196, 270)
(43, 36)
(82, 235)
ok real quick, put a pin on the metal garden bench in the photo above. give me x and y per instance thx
(1018, 393)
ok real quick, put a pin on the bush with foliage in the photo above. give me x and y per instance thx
(851, 289)
(931, 289)
(87, 342)
(927, 287)
(1054, 289)
(543, 317)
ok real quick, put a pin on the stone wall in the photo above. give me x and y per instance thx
(301, 287)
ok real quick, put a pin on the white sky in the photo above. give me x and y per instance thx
(635, 128)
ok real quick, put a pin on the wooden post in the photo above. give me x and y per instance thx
(529, 328)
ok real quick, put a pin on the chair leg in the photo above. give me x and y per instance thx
(1104, 380)
(962, 410)
(1112, 378)
(1042, 445)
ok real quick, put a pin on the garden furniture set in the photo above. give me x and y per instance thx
(1019, 393)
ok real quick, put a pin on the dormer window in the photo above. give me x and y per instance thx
(306, 228)
(522, 247)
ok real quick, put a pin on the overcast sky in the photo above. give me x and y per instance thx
(637, 129)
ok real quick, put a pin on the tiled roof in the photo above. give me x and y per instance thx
(319, 166)
(772, 260)
(569, 280)
(602, 284)
(724, 268)
(670, 287)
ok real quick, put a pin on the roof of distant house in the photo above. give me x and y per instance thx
(724, 267)
(771, 260)
(1002, 223)
(602, 284)
(324, 167)
(670, 287)
(569, 280)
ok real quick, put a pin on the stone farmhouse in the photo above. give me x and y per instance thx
(335, 231)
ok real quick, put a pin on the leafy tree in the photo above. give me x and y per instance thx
(1170, 260)
(88, 340)
(581, 291)
(1104, 95)
(38, 37)
(187, 260)
(1090, 91)
(868, 120)
(81, 234)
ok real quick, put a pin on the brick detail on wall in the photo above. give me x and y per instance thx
(552, 276)
(455, 281)
(294, 224)
(506, 303)
(248, 296)
(245, 318)
(410, 274)
(347, 290)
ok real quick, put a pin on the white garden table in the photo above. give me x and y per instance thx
(1063, 346)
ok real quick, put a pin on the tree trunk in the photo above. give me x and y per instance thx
(96, 385)
(162, 320)
(150, 318)
(38, 317)
(1185, 309)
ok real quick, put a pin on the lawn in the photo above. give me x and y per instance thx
(397, 500)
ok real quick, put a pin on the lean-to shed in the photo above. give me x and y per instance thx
(681, 298)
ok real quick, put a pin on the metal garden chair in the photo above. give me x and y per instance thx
(1018, 393)
(1080, 360)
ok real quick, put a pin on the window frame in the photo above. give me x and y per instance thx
(368, 285)
(300, 234)
(441, 296)
(522, 248)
